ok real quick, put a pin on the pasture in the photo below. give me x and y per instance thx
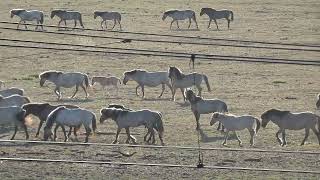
(247, 88)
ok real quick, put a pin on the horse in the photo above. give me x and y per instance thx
(66, 80)
(105, 15)
(26, 15)
(14, 115)
(106, 81)
(63, 116)
(176, 15)
(13, 100)
(318, 101)
(11, 91)
(42, 111)
(126, 119)
(217, 14)
(200, 105)
(182, 81)
(235, 123)
(67, 15)
(146, 78)
(292, 121)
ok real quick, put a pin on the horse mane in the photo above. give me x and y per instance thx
(177, 72)
(119, 106)
(132, 72)
(190, 94)
(17, 11)
(278, 113)
(47, 74)
(53, 115)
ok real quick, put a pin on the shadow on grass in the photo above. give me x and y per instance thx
(205, 138)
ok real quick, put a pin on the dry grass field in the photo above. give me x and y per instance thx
(248, 88)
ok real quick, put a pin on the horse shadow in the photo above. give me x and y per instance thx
(206, 139)
(182, 30)
(72, 100)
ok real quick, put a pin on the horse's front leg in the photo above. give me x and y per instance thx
(64, 133)
(182, 92)
(57, 92)
(70, 130)
(173, 93)
(238, 138)
(117, 135)
(101, 24)
(199, 90)
(142, 89)
(189, 23)
(145, 137)
(39, 127)
(19, 24)
(277, 136)
(74, 94)
(225, 138)
(59, 23)
(178, 24)
(55, 132)
(197, 116)
(26, 131)
(306, 136)
(284, 138)
(75, 23)
(163, 88)
(171, 24)
(137, 89)
(215, 21)
(85, 90)
(209, 23)
(15, 132)
(120, 25)
(114, 23)
(25, 26)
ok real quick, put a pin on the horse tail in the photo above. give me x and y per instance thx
(207, 82)
(80, 20)
(94, 123)
(86, 80)
(159, 124)
(231, 15)
(258, 125)
(26, 100)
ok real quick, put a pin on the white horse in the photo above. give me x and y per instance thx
(13, 115)
(176, 15)
(182, 81)
(292, 121)
(11, 91)
(13, 100)
(205, 106)
(108, 15)
(66, 80)
(67, 15)
(217, 14)
(28, 16)
(145, 78)
(106, 81)
(126, 119)
(63, 116)
(236, 123)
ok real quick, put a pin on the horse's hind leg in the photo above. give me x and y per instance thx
(209, 23)
(252, 133)
(189, 23)
(317, 133)
(199, 89)
(40, 125)
(284, 138)
(215, 21)
(277, 136)
(137, 90)
(182, 92)
(70, 130)
(163, 88)
(75, 23)
(26, 131)
(197, 116)
(101, 24)
(238, 138)
(15, 132)
(228, 23)
(74, 94)
(88, 132)
(114, 23)
(225, 138)
(306, 136)
(117, 136)
(120, 25)
(85, 90)
(64, 133)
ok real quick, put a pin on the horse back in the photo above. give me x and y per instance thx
(297, 121)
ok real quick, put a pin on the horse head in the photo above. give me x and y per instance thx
(54, 12)
(127, 76)
(48, 75)
(96, 14)
(214, 118)
(16, 12)
(165, 14)
(106, 113)
(47, 132)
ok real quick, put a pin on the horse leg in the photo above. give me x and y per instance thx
(105, 24)
(189, 23)
(215, 21)
(15, 132)
(85, 90)
(59, 23)
(40, 125)
(277, 136)
(306, 136)
(142, 89)
(77, 88)
(161, 138)
(65, 24)
(26, 131)
(252, 133)
(55, 132)
(88, 132)
(197, 116)
(153, 137)
(228, 23)
(145, 137)
(163, 88)
(209, 23)
(117, 135)
(75, 23)
(178, 24)
(64, 133)
(137, 90)
(57, 92)
(120, 25)
(225, 138)
(171, 24)
(194, 19)
(173, 93)
(182, 92)
(19, 24)
(238, 138)
(101, 24)
(128, 135)
(284, 138)
(25, 26)
(70, 130)
(114, 23)
(199, 89)
(317, 133)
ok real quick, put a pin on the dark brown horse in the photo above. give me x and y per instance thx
(42, 110)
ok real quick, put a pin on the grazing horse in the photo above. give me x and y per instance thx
(13, 100)
(292, 121)
(42, 111)
(13, 115)
(217, 14)
(236, 123)
(28, 16)
(182, 81)
(145, 78)
(126, 119)
(11, 91)
(106, 81)
(66, 80)
(205, 106)
(176, 15)
(63, 116)
(105, 15)
(67, 15)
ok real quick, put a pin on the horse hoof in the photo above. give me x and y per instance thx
(115, 142)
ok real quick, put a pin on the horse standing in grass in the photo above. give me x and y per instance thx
(126, 119)
(292, 121)
(236, 123)
(42, 111)
(182, 81)
(145, 78)
(217, 14)
(11, 91)
(105, 15)
(63, 116)
(176, 15)
(66, 80)
(13, 115)
(28, 16)
(205, 106)
(14, 100)
(67, 15)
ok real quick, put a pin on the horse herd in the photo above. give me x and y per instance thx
(64, 15)
(15, 108)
